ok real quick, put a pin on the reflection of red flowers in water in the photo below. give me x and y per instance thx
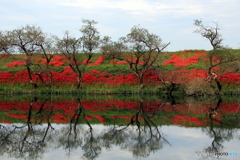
(59, 118)
(100, 118)
(181, 119)
(5, 121)
(116, 117)
(88, 118)
(20, 116)
(65, 109)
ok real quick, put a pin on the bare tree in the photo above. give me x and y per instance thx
(220, 55)
(211, 33)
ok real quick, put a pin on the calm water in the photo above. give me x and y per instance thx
(120, 128)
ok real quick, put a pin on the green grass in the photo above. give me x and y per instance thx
(196, 66)
(110, 68)
(127, 90)
(101, 89)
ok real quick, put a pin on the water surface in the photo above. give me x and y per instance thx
(119, 128)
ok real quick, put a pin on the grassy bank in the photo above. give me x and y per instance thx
(69, 91)
(185, 71)
(105, 91)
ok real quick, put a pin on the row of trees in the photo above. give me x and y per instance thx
(140, 49)
(31, 40)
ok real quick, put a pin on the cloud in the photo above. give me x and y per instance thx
(90, 4)
(136, 7)
(171, 19)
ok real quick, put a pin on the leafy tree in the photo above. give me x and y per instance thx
(140, 49)
(70, 46)
(25, 40)
(90, 36)
(47, 48)
(4, 43)
(31, 41)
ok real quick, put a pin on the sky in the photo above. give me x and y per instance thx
(172, 20)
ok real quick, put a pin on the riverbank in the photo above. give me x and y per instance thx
(106, 91)
(182, 72)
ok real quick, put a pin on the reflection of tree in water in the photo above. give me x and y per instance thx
(220, 133)
(29, 141)
(142, 138)
(25, 141)
(92, 147)
(149, 137)
(78, 136)
(128, 138)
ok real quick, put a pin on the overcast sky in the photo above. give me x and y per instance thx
(172, 20)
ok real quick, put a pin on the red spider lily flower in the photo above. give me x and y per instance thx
(16, 64)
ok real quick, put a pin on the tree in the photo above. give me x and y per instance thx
(25, 39)
(71, 46)
(211, 33)
(140, 49)
(90, 36)
(31, 41)
(47, 48)
(113, 49)
(5, 47)
(220, 55)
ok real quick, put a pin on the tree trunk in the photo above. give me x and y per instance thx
(78, 86)
(34, 85)
(43, 81)
(141, 85)
(170, 90)
(219, 86)
(213, 76)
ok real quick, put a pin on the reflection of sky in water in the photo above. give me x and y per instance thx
(184, 143)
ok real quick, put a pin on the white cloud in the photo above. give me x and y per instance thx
(91, 4)
(136, 6)
(133, 5)
(170, 19)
